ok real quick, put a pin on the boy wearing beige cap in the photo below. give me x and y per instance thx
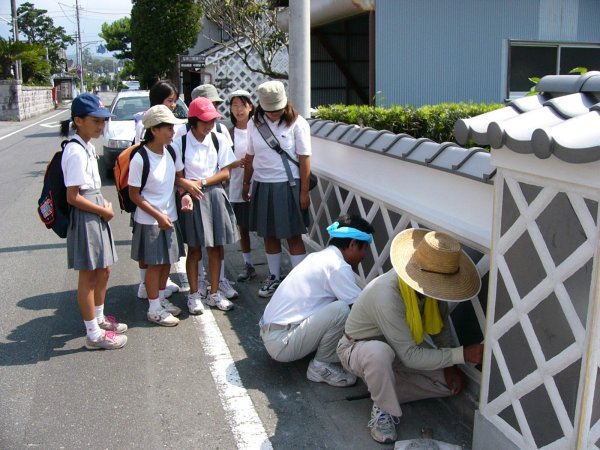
(429, 271)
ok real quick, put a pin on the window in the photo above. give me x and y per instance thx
(537, 59)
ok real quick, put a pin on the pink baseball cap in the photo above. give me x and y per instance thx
(203, 109)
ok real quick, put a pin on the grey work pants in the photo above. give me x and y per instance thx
(320, 332)
(389, 382)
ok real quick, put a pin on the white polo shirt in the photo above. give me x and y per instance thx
(159, 190)
(321, 278)
(201, 158)
(267, 164)
(80, 165)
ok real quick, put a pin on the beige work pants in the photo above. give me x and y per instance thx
(320, 332)
(388, 381)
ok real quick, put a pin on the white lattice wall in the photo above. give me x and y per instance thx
(225, 64)
(540, 365)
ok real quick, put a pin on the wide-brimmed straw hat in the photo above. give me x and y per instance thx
(433, 264)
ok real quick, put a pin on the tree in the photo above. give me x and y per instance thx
(252, 27)
(161, 30)
(33, 62)
(118, 37)
(39, 29)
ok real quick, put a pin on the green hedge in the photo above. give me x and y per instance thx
(435, 122)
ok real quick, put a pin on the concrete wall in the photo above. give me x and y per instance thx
(18, 102)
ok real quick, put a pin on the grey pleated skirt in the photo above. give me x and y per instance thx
(274, 211)
(90, 244)
(212, 222)
(242, 213)
(155, 246)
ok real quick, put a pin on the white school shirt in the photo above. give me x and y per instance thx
(237, 175)
(80, 165)
(201, 159)
(267, 164)
(159, 189)
(321, 278)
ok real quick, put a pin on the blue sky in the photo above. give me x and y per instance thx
(92, 14)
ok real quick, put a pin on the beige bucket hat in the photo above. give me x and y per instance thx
(433, 264)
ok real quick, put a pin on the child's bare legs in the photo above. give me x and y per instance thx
(85, 294)
(297, 250)
(191, 267)
(244, 239)
(214, 267)
(156, 278)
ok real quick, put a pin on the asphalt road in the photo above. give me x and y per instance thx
(205, 384)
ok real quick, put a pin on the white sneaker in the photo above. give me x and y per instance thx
(219, 301)
(162, 317)
(382, 425)
(109, 323)
(228, 291)
(269, 286)
(331, 373)
(195, 303)
(166, 304)
(172, 286)
(142, 293)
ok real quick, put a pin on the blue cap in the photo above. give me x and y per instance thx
(88, 105)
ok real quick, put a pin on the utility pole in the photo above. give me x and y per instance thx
(18, 75)
(79, 51)
(299, 62)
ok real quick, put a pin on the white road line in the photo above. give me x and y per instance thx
(246, 426)
(33, 124)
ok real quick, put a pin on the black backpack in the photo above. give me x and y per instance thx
(53, 207)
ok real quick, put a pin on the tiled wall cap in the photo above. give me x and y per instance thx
(495, 134)
(541, 142)
(562, 84)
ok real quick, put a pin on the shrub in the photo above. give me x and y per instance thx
(435, 122)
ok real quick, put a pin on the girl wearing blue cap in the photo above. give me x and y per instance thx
(90, 245)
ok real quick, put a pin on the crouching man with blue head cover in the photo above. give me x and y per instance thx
(308, 311)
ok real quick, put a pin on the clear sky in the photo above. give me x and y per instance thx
(92, 14)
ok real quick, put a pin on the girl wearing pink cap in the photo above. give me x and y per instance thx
(202, 164)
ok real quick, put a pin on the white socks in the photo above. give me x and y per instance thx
(297, 259)
(222, 275)
(248, 258)
(100, 313)
(274, 262)
(142, 275)
(92, 329)
(154, 305)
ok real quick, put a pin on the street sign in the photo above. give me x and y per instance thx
(192, 61)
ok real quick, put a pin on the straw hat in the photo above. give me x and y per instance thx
(433, 264)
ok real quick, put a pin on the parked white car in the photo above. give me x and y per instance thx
(120, 129)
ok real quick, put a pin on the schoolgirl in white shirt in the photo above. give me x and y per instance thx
(156, 235)
(201, 169)
(90, 246)
(278, 210)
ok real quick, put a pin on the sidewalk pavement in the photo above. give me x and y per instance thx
(346, 410)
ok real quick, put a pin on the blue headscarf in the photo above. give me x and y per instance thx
(335, 231)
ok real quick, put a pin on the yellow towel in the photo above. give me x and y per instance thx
(431, 322)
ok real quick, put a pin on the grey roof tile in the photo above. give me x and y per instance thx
(563, 121)
(448, 156)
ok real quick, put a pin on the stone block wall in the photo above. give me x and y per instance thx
(18, 102)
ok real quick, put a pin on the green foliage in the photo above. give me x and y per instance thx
(39, 29)
(36, 68)
(161, 30)
(435, 122)
(118, 37)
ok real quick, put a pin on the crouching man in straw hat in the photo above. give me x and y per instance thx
(402, 305)
(309, 308)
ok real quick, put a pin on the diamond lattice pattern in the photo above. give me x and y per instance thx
(538, 332)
